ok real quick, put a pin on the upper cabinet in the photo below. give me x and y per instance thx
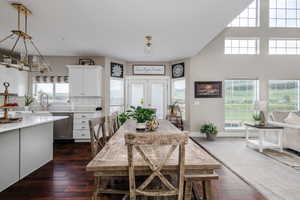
(18, 80)
(85, 81)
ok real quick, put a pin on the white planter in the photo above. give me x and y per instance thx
(140, 126)
(26, 108)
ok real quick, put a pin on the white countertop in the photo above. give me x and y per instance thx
(28, 121)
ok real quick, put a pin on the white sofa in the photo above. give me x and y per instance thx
(291, 138)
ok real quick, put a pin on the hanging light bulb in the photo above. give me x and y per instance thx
(148, 45)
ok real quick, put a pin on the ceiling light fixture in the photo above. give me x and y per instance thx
(20, 60)
(148, 45)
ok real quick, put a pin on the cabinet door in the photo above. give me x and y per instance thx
(76, 81)
(92, 82)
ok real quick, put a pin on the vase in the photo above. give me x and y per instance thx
(26, 108)
(141, 126)
(210, 137)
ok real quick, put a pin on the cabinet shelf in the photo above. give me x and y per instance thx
(9, 94)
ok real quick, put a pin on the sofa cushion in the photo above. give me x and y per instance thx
(292, 118)
(278, 116)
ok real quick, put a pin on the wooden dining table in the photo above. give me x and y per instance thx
(112, 161)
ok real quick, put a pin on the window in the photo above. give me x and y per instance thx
(284, 13)
(116, 95)
(39, 88)
(61, 92)
(178, 94)
(248, 18)
(240, 97)
(57, 92)
(284, 47)
(241, 46)
(283, 95)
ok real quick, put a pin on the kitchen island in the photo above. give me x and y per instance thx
(24, 147)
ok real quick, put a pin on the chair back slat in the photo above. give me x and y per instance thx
(97, 134)
(138, 142)
(113, 124)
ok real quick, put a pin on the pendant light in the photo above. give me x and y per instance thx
(148, 45)
(20, 60)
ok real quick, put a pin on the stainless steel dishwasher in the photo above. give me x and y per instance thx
(63, 129)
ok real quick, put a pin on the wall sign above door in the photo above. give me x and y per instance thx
(148, 70)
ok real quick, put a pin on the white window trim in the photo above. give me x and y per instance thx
(53, 92)
(243, 38)
(257, 17)
(238, 128)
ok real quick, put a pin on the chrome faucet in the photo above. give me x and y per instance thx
(44, 101)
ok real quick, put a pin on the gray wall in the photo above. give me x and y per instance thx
(212, 65)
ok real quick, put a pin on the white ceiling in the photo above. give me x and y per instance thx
(116, 28)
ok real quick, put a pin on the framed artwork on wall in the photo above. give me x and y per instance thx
(208, 89)
(86, 61)
(149, 70)
(178, 70)
(116, 70)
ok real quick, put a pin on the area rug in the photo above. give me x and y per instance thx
(285, 157)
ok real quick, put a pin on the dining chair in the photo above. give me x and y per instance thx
(113, 124)
(145, 146)
(205, 180)
(97, 134)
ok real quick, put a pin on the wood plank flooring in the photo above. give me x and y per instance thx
(65, 178)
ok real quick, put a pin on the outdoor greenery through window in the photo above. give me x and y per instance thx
(240, 97)
(283, 95)
(178, 94)
(247, 18)
(116, 95)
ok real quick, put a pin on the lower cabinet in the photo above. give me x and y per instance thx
(23, 151)
(81, 130)
(36, 148)
(9, 158)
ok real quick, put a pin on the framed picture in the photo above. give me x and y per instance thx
(208, 89)
(148, 70)
(116, 70)
(86, 61)
(178, 70)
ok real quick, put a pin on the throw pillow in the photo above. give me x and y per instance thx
(292, 118)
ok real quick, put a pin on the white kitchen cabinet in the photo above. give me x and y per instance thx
(81, 132)
(18, 80)
(9, 158)
(85, 81)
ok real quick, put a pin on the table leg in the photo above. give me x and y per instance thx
(207, 188)
(188, 190)
(247, 135)
(261, 139)
(280, 135)
(97, 185)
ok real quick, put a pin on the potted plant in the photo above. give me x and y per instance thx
(123, 117)
(210, 129)
(28, 101)
(141, 115)
(257, 119)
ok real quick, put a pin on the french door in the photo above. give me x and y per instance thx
(149, 93)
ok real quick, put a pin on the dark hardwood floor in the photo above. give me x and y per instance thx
(65, 178)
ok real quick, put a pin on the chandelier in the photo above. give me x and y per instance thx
(22, 60)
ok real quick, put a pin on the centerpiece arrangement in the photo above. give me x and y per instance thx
(145, 118)
(141, 115)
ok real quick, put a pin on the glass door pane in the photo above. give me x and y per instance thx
(136, 94)
(158, 98)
